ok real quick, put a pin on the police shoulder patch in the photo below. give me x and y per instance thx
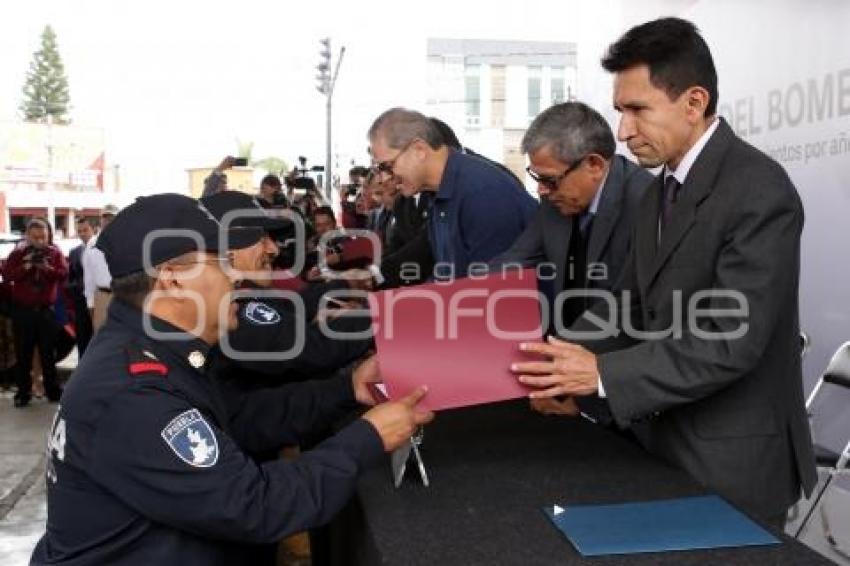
(141, 361)
(192, 439)
(261, 313)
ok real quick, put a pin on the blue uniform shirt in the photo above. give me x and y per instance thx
(478, 212)
(146, 466)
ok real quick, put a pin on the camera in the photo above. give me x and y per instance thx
(36, 255)
(240, 161)
(303, 170)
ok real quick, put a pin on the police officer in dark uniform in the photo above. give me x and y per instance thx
(278, 337)
(145, 466)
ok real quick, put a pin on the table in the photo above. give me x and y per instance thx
(492, 469)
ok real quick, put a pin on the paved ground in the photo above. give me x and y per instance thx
(22, 506)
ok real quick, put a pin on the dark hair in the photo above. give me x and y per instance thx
(675, 52)
(133, 288)
(400, 126)
(358, 171)
(572, 130)
(447, 133)
(86, 220)
(41, 222)
(326, 211)
(271, 180)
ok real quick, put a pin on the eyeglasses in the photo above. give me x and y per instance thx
(551, 182)
(222, 261)
(385, 168)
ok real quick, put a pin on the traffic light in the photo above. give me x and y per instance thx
(323, 76)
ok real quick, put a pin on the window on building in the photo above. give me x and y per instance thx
(534, 79)
(473, 90)
(557, 89)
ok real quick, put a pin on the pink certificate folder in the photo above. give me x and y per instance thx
(459, 338)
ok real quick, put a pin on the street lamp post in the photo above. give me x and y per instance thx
(326, 83)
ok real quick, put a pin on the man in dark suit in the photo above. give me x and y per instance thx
(589, 196)
(82, 318)
(407, 257)
(715, 392)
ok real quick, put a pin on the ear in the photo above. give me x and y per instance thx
(696, 101)
(595, 165)
(595, 162)
(421, 148)
(168, 280)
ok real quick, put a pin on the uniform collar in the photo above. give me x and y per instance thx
(188, 348)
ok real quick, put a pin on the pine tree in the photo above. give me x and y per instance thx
(46, 88)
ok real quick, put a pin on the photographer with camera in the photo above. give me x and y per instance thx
(353, 200)
(35, 272)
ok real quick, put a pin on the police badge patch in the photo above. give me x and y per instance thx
(261, 313)
(191, 438)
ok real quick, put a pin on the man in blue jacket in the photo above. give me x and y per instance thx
(479, 209)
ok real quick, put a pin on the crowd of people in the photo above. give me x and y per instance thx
(52, 302)
(165, 446)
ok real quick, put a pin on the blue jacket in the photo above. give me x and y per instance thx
(478, 212)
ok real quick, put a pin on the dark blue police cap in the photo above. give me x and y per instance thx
(168, 225)
(245, 211)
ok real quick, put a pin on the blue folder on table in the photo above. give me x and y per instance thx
(688, 523)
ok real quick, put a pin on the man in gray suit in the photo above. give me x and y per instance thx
(582, 230)
(713, 273)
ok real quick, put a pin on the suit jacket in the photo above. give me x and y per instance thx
(407, 243)
(75, 272)
(730, 411)
(547, 237)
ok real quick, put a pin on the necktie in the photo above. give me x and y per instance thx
(576, 267)
(671, 193)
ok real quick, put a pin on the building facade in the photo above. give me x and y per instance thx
(488, 91)
(54, 171)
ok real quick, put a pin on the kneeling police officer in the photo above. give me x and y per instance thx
(278, 339)
(144, 463)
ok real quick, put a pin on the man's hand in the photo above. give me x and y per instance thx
(359, 279)
(315, 274)
(571, 371)
(363, 375)
(396, 421)
(553, 406)
(226, 163)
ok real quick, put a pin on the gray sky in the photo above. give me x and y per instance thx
(173, 84)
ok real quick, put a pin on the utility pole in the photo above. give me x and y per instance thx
(51, 210)
(326, 83)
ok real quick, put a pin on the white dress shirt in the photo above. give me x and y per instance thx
(95, 272)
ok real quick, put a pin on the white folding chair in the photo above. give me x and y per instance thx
(837, 374)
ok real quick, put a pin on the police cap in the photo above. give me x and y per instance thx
(244, 211)
(168, 225)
